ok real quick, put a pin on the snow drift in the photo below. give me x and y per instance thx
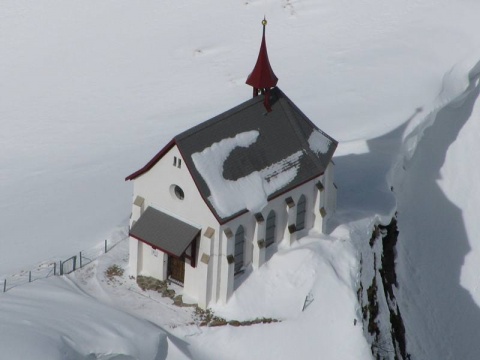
(53, 319)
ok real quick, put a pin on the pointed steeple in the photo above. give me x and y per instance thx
(262, 78)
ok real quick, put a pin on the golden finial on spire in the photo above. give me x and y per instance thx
(264, 21)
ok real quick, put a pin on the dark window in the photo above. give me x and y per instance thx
(179, 192)
(177, 162)
(239, 248)
(301, 212)
(270, 228)
(176, 268)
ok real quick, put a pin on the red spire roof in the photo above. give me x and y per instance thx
(262, 75)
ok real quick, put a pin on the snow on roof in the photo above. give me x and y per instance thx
(268, 152)
(247, 148)
(318, 142)
(248, 192)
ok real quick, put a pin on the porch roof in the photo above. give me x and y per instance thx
(164, 232)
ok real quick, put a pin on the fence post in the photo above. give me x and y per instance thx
(80, 259)
(61, 268)
(29, 276)
(105, 246)
(4, 285)
(54, 268)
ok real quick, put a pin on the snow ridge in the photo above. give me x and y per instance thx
(423, 227)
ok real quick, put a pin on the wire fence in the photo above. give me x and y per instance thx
(57, 267)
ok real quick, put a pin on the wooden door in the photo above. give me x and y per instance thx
(176, 268)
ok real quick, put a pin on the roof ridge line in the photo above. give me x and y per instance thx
(210, 122)
(299, 132)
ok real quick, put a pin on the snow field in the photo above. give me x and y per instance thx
(90, 89)
(278, 290)
(54, 319)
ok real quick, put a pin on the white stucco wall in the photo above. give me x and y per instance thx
(151, 262)
(223, 286)
(331, 195)
(155, 187)
(212, 279)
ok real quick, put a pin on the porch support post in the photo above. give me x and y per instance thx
(205, 267)
(290, 229)
(259, 246)
(163, 259)
(133, 257)
(227, 266)
(319, 206)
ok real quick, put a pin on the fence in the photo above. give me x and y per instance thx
(58, 267)
(69, 265)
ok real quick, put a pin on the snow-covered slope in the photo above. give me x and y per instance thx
(90, 90)
(277, 291)
(438, 247)
(52, 319)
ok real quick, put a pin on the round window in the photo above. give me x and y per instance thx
(177, 190)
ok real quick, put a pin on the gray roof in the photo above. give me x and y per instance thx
(164, 232)
(282, 132)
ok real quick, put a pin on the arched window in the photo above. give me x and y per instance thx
(270, 228)
(301, 212)
(239, 248)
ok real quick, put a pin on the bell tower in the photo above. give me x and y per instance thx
(262, 78)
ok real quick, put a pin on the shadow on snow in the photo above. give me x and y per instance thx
(441, 316)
